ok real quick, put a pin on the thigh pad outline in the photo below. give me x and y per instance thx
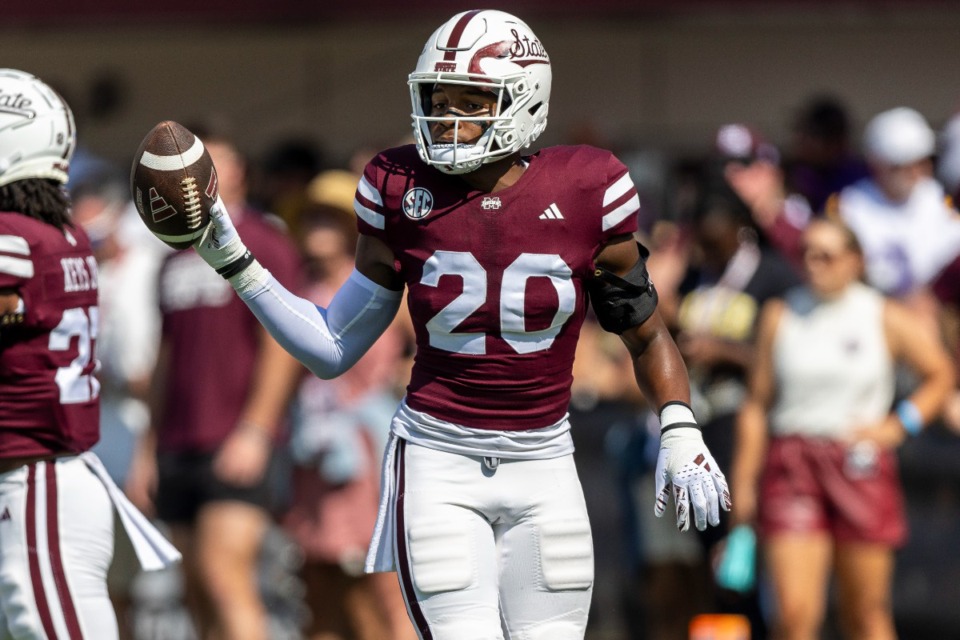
(566, 554)
(443, 555)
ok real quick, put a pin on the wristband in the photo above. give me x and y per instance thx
(909, 416)
(238, 265)
(676, 415)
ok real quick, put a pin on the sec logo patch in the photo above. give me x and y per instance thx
(417, 203)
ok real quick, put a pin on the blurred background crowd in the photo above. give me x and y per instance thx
(740, 122)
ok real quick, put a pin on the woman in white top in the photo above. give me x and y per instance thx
(815, 466)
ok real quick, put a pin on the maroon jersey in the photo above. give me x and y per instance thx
(496, 281)
(213, 339)
(48, 391)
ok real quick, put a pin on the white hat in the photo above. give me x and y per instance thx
(899, 136)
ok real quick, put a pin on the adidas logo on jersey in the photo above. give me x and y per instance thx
(551, 213)
(6, 514)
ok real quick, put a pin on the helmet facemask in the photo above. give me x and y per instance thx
(462, 157)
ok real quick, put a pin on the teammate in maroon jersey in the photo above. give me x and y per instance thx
(482, 513)
(56, 501)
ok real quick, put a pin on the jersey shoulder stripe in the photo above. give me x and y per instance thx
(378, 178)
(629, 208)
(367, 203)
(16, 267)
(11, 264)
(618, 189)
(14, 244)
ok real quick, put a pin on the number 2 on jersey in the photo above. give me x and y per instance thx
(83, 324)
(512, 300)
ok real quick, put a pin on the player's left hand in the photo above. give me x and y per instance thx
(686, 469)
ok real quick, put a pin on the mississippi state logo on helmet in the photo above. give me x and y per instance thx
(499, 53)
(37, 134)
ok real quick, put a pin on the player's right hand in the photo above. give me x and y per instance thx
(220, 244)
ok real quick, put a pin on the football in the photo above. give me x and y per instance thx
(174, 184)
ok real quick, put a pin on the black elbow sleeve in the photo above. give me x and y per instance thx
(623, 302)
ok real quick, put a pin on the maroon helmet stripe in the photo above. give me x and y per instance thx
(56, 561)
(403, 560)
(33, 558)
(454, 40)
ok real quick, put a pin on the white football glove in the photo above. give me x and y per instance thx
(686, 467)
(220, 244)
(221, 247)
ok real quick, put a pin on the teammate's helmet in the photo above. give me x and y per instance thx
(499, 53)
(37, 134)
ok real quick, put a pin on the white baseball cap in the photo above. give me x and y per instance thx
(899, 136)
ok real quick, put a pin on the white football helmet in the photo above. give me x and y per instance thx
(499, 53)
(37, 133)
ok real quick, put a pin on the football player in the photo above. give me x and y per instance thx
(482, 513)
(56, 500)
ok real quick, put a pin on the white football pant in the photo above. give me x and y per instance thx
(56, 544)
(490, 552)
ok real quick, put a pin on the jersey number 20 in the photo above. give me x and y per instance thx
(512, 298)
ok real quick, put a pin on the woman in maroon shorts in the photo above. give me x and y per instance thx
(815, 466)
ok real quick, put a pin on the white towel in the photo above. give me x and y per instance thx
(380, 556)
(153, 550)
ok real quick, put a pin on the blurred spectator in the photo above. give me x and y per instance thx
(128, 258)
(339, 428)
(751, 166)
(285, 172)
(948, 159)
(815, 468)
(904, 222)
(222, 386)
(820, 161)
(946, 287)
(730, 279)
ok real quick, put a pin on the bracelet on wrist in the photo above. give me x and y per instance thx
(909, 416)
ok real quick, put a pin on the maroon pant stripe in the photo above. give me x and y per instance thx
(403, 561)
(56, 560)
(454, 40)
(33, 558)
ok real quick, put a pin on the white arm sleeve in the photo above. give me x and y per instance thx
(327, 341)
